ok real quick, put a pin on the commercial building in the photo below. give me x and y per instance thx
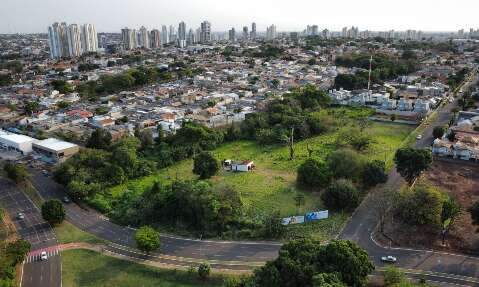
(253, 31)
(55, 150)
(14, 142)
(128, 38)
(164, 35)
(181, 35)
(232, 35)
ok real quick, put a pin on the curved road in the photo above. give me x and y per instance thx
(439, 267)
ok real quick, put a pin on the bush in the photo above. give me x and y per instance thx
(393, 276)
(53, 211)
(204, 270)
(17, 250)
(313, 173)
(438, 132)
(147, 239)
(345, 163)
(341, 195)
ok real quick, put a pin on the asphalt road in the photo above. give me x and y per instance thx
(33, 228)
(237, 254)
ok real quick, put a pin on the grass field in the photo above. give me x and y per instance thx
(272, 185)
(67, 233)
(85, 268)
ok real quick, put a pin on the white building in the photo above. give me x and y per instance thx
(205, 32)
(55, 150)
(14, 142)
(74, 40)
(89, 38)
(144, 38)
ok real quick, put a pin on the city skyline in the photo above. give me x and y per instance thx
(112, 16)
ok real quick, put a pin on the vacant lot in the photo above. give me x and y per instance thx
(84, 268)
(461, 181)
(272, 185)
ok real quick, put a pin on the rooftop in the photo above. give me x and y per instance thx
(55, 144)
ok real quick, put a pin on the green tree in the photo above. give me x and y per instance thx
(31, 107)
(410, 163)
(204, 270)
(53, 211)
(304, 262)
(438, 132)
(341, 195)
(205, 165)
(99, 139)
(16, 172)
(147, 239)
(345, 163)
(421, 206)
(374, 173)
(17, 250)
(313, 173)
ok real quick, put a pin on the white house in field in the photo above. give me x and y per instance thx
(244, 166)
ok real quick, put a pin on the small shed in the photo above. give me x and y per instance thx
(246, 165)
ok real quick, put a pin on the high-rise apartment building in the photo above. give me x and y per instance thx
(191, 38)
(271, 32)
(164, 35)
(172, 34)
(155, 39)
(232, 35)
(245, 33)
(129, 38)
(89, 38)
(144, 38)
(205, 35)
(71, 41)
(253, 31)
(181, 41)
(74, 40)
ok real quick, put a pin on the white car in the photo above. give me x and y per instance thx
(389, 259)
(20, 216)
(43, 255)
(419, 137)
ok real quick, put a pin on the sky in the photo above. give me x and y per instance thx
(32, 16)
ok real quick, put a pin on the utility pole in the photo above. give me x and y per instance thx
(370, 68)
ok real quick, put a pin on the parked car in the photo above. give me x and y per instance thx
(20, 216)
(389, 259)
(66, 199)
(43, 255)
(45, 172)
(419, 137)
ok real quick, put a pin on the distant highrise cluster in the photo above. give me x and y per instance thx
(169, 35)
(71, 40)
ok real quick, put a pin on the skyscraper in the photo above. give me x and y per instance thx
(232, 35)
(181, 35)
(172, 35)
(245, 33)
(74, 40)
(164, 35)
(155, 39)
(271, 32)
(128, 38)
(253, 31)
(58, 40)
(144, 38)
(89, 38)
(71, 41)
(191, 38)
(205, 35)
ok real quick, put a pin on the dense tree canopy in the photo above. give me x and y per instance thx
(374, 173)
(423, 205)
(99, 139)
(306, 263)
(345, 163)
(15, 172)
(410, 163)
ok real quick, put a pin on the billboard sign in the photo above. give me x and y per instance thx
(293, 220)
(318, 215)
